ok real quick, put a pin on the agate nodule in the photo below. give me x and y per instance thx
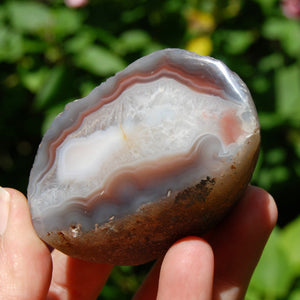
(160, 151)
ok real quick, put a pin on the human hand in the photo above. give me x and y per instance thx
(217, 266)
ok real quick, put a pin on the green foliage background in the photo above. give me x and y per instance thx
(51, 54)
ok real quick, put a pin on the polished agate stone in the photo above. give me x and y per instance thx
(159, 151)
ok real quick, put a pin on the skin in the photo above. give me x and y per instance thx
(216, 266)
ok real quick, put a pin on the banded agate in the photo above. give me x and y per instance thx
(159, 151)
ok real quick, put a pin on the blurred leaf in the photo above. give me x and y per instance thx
(34, 81)
(123, 277)
(236, 41)
(273, 275)
(270, 120)
(110, 293)
(151, 47)
(133, 15)
(66, 21)
(284, 30)
(256, 173)
(295, 295)
(252, 294)
(84, 39)
(51, 86)
(260, 84)
(11, 45)
(2, 14)
(267, 5)
(275, 156)
(132, 40)
(271, 62)
(294, 139)
(297, 168)
(288, 92)
(269, 176)
(54, 54)
(280, 173)
(34, 46)
(264, 178)
(86, 87)
(106, 38)
(290, 242)
(99, 61)
(29, 16)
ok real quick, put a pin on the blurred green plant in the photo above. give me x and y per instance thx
(277, 275)
(51, 54)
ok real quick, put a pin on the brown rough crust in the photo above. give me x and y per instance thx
(154, 227)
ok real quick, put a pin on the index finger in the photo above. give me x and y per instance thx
(239, 241)
(76, 279)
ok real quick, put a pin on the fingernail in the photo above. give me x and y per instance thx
(4, 209)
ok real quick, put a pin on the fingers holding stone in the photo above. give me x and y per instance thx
(25, 261)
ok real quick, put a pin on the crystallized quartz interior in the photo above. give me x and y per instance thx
(162, 125)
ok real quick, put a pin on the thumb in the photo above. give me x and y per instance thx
(25, 261)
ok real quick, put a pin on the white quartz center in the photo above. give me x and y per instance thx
(147, 122)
